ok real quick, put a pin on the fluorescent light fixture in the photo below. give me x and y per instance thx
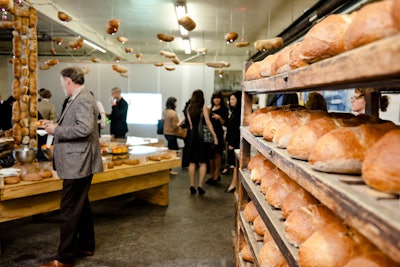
(183, 31)
(186, 46)
(102, 50)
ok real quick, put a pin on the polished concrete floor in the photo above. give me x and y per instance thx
(193, 230)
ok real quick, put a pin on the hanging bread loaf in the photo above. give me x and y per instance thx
(342, 150)
(372, 22)
(7, 4)
(268, 44)
(325, 39)
(187, 23)
(165, 37)
(380, 168)
(303, 222)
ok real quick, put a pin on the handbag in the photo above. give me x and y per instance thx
(204, 132)
(160, 126)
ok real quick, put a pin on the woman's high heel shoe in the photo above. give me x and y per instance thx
(230, 190)
(201, 190)
(192, 190)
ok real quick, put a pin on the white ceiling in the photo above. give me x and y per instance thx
(142, 20)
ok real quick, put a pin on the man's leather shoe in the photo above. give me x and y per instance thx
(56, 263)
(85, 253)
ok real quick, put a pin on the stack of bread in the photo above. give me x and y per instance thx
(331, 36)
(24, 111)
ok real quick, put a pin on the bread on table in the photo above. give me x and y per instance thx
(381, 168)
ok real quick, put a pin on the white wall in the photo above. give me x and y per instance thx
(143, 78)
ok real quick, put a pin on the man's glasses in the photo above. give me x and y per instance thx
(354, 97)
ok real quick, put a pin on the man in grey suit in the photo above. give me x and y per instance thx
(77, 157)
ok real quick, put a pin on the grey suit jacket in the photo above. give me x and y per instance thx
(77, 151)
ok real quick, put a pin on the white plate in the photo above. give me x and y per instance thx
(41, 132)
(9, 172)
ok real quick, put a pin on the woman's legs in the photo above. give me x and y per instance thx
(192, 172)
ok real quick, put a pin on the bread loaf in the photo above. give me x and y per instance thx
(31, 177)
(250, 212)
(342, 150)
(12, 179)
(266, 65)
(45, 173)
(245, 253)
(258, 121)
(381, 169)
(303, 222)
(277, 118)
(7, 4)
(270, 178)
(253, 72)
(372, 22)
(395, 13)
(332, 245)
(257, 112)
(325, 39)
(295, 200)
(259, 225)
(17, 45)
(268, 44)
(285, 130)
(295, 59)
(282, 62)
(372, 259)
(17, 68)
(270, 255)
(280, 190)
(260, 171)
(256, 161)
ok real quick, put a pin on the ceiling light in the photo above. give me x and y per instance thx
(95, 46)
(186, 46)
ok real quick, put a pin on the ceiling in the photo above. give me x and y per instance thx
(142, 20)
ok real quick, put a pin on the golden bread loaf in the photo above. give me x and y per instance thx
(395, 13)
(295, 200)
(266, 65)
(45, 173)
(332, 245)
(372, 259)
(259, 226)
(303, 222)
(31, 177)
(253, 72)
(12, 179)
(268, 44)
(325, 39)
(282, 62)
(256, 161)
(257, 112)
(250, 212)
(372, 22)
(280, 189)
(343, 150)
(258, 172)
(381, 168)
(245, 253)
(295, 60)
(270, 178)
(270, 255)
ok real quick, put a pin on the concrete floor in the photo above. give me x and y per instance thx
(193, 230)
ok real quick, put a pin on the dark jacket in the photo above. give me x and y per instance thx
(118, 126)
(290, 98)
(233, 128)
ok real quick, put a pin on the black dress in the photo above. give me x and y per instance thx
(198, 150)
(219, 131)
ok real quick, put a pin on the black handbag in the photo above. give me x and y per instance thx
(160, 126)
(204, 132)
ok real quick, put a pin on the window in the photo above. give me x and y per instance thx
(143, 108)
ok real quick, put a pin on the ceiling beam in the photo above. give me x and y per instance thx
(50, 10)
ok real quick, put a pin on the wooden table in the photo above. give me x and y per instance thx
(148, 181)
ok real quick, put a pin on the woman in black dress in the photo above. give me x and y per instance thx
(219, 115)
(199, 150)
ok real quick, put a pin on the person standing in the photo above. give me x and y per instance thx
(172, 130)
(119, 112)
(233, 135)
(199, 151)
(282, 99)
(6, 114)
(219, 116)
(77, 156)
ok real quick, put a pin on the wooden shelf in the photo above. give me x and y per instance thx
(374, 214)
(251, 237)
(272, 218)
(376, 64)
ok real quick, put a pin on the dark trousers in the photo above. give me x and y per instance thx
(230, 153)
(172, 142)
(76, 227)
